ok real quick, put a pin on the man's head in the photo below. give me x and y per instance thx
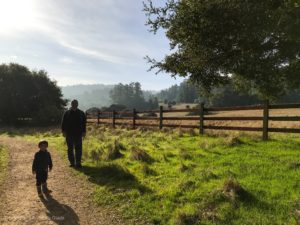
(43, 144)
(74, 104)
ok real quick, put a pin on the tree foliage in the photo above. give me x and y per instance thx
(186, 92)
(26, 94)
(257, 43)
(131, 95)
(226, 95)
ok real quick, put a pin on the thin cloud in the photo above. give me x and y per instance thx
(13, 57)
(91, 53)
(66, 60)
(107, 40)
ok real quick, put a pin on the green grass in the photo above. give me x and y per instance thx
(3, 164)
(173, 177)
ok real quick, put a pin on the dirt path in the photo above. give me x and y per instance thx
(70, 202)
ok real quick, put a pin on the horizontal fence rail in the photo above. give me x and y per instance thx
(201, 114)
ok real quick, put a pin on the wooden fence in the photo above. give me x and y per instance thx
(201, 116)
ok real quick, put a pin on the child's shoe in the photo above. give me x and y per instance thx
(45, 189)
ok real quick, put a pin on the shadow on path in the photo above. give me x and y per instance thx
(59, 213)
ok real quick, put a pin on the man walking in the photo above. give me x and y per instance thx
(73, 127)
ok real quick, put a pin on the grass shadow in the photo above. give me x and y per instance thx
(114, 177)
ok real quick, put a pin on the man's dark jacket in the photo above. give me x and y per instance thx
(74, 123)
(42, 161)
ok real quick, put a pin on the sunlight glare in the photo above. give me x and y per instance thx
(16, 15)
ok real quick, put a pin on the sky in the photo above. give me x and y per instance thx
(83, 41)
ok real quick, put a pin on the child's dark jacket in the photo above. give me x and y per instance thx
(42, 161)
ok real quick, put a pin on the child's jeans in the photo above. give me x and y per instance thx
(41, 177)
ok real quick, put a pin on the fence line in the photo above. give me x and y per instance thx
(133, 116)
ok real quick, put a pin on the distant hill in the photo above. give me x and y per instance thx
(93, 95)
(97, 95)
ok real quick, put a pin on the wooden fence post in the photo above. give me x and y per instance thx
(98, 117)
(160, 117)
(114, 119)
(201, 125)
(265, 120)
(133, 118)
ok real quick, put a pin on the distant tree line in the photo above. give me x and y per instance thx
(226, 95)
(185, 92)
(88, 96)
(129, 96)
(28, 96)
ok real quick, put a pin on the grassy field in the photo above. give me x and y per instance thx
(176, 177)
(3, 164)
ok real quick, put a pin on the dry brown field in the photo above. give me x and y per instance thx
(241, 113)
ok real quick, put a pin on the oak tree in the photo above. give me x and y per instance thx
(252, 42)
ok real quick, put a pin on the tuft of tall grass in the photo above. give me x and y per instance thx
(184, 218)
(112, 152)
(234, 192)
(180, 132)
(186, 185)
(96, 155)
(232, 141)
(183, 167)
(184, 154)
(207, 145)
(3, 163)
(102, 137)
(140, 155)
(186, 215)
(119, 145)
(207, 175)
(294, 165)
(193, 132)
(147, 171)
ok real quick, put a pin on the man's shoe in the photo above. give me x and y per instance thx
(39, 190)
(78, 166)
(45, 189)
(72, 165)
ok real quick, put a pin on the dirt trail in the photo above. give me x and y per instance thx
(70, 202)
